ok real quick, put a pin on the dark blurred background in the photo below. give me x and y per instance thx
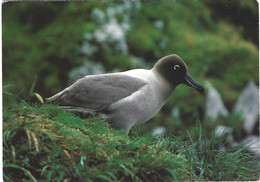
(55, 43)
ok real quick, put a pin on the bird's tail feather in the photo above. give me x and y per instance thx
(80, 111)
(55, 97)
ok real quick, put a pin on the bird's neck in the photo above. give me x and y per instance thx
(163, 86)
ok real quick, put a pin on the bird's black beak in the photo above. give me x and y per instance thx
(192, 83)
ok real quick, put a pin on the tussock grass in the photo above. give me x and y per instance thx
(45, 143)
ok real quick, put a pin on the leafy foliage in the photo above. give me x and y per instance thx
(72, 33)
(47, 40)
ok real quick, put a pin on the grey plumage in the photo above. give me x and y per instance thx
(98, 92)
(127, 98)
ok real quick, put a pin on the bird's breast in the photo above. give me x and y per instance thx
(143, 104)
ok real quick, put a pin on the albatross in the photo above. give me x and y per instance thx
(127, 98)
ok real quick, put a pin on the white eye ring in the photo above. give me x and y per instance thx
(176, 67)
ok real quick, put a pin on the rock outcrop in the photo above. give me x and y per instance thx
(214, 105)
(248, 106)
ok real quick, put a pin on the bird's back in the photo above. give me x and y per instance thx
(98, 92)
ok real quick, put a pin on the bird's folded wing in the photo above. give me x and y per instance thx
(98, 92)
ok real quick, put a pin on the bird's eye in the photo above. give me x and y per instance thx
(176, 67)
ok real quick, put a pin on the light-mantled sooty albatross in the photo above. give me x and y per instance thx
(127, 98)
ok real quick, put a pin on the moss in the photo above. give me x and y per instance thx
(214, 48)
(49, 144)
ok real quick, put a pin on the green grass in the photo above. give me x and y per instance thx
(49, 144)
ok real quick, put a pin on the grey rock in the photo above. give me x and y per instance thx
(159, 24)
(88, 49)
(248, 106)
(159, 131)
(98, 16)
(176, 112)
(224, 131)
(163, 43)
(253, 144)
(214, 105)
(111, 34)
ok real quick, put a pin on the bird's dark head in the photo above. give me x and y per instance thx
(175, 71)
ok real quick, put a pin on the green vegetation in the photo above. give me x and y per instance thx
(43, 42)
(49, 144)
(213, 48)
